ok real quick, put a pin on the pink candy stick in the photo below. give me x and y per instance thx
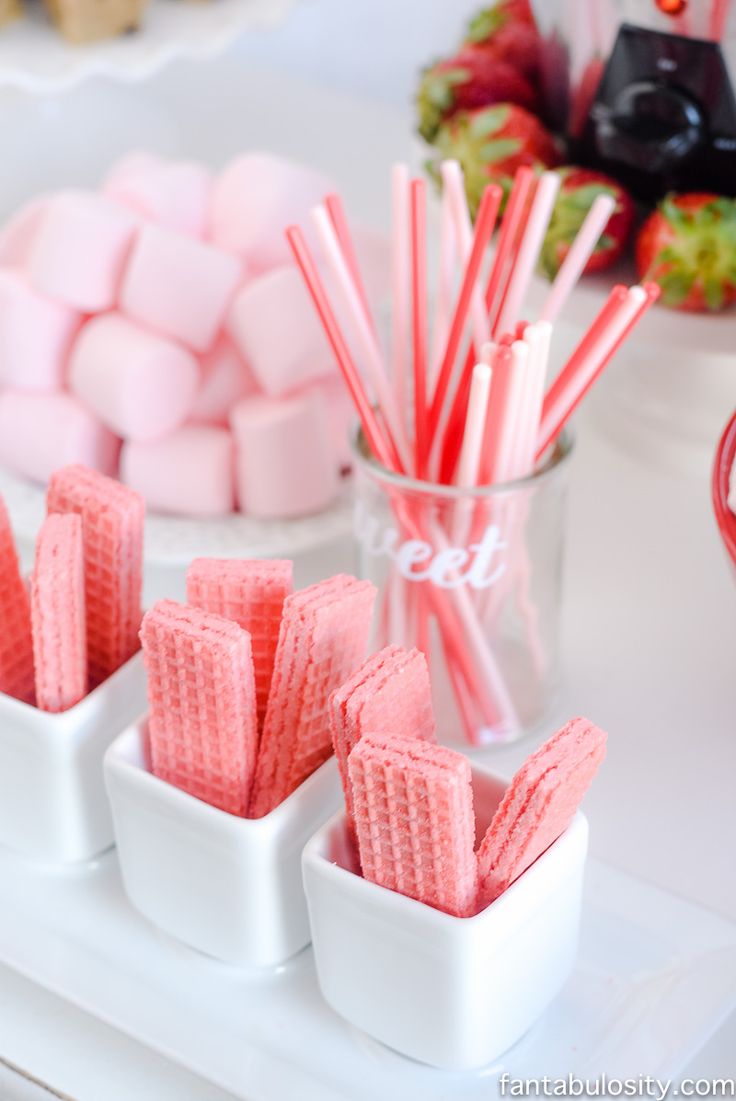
(539, 804)
(581, 250)
(16, 649)
(414, 820)
(391, 691)
(531, 245)
(323, 639)
(508, 427)
(252, 594)
(58, 614)
(362, 330)
(445, 290)
(112, 528)
(203, 727)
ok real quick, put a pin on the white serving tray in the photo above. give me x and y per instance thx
(656, 977)
(35, 57)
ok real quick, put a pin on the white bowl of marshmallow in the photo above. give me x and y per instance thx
(158, 330)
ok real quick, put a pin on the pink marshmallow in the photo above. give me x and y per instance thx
(35, 335)
(80, 248)
(190, 472)
(174, 194)
(140, 385)
(40, 433)
(19, 232)
(275, 326)
(226, 380)
(178, 286)
(284, 461)
(255, 198)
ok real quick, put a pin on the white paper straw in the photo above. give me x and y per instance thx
(475, 425)
(445, 290)
(454, 186)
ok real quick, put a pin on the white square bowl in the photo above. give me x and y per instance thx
(230, 887)
(451, 992)
(53, 806)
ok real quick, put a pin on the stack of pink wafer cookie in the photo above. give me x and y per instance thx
(80, 623)
(414, 822)
(240, 680)
(390, 691)
(158, 330)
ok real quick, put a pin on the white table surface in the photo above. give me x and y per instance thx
(650, 616)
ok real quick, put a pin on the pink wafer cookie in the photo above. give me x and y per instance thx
(16, 649)
(58, 614)
(203, 728)
(323, 638)
(539, 804)
(391, 691)
(414, 820)
(252, 593)
(112, 527)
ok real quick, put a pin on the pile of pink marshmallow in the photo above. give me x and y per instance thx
(157, 330)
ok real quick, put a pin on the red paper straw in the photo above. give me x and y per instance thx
(611, 328)
(418, 202)
(513, 220)
(339, 220)
(484, 225)
(374, 434)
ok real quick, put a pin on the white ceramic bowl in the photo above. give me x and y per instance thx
(452, 992)
(52, 795)
(230, 887)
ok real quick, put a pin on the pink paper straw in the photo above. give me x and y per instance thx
(365, 335)
(445, 289)
(454, 186)
(502, 470)
(475, 425)
(538, 338)
(584, 366)
(418, 198)
(377, 439)
(581, 250)
(531, 245)
(400, 284)
(510, 227)
(336, 212)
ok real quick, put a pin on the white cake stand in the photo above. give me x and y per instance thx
(34, 57)
(319, 545)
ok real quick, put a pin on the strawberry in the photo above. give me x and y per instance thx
(688, 247)
(473, 78)
(508, 32)
(491, 143)
(579, 189)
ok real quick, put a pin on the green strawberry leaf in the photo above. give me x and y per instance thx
(485, 24)
(493, 152)
(714, 294)
(583, 197)
(676, 286)
(605, 243)
(489, 121)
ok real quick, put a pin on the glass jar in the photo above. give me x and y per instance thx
(473, 577)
